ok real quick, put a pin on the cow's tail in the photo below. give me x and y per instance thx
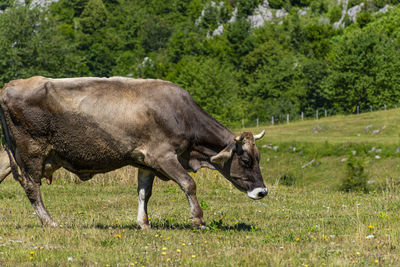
(9, 145)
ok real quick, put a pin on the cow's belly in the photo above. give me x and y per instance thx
(84, 146)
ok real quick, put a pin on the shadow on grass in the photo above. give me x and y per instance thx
(178, 226)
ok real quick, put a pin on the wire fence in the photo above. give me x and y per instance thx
(316, 115)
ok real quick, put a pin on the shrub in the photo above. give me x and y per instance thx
(287, 179)
(355, 179)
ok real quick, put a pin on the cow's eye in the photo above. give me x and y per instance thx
(246, 161)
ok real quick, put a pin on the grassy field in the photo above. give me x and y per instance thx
(304, 221)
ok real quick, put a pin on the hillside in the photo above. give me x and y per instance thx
(375, 128)
(373, 138)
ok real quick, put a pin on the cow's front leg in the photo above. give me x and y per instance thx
(32, 190)
(5, 168)
(145, 185)
(174, 170)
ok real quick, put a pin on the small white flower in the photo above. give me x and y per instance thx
(70, 258)
(370, 237)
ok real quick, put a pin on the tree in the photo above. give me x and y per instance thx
(93, 17)
(5, 4)
(212, 84)
(273, 78)
(314, 72)
(30, 44)
(237, 33)
(364, 70)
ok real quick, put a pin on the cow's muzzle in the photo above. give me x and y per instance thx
(257, 193)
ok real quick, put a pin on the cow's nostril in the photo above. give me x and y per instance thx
(262, 194)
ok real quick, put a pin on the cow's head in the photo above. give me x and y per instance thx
(239, 163)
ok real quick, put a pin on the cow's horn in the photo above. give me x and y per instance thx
(239, 138)
(260, 135)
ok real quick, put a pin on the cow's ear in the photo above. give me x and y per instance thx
(222, 156)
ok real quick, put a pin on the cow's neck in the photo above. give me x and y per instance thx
(214, 137)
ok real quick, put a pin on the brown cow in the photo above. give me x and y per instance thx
(95, 125)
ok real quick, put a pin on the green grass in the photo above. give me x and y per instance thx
(308, 223)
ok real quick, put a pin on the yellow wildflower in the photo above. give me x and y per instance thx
(163, 253)
(178, 250)
(297, 239)
(193, 256)
(164, 248)
(371, 226)
(31, 252)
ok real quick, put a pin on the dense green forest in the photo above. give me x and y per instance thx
(240, 59)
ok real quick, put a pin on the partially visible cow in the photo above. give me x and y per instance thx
(95, 125)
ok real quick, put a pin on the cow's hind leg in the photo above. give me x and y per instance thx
(174, 170)
(32, 190)
(145, 185)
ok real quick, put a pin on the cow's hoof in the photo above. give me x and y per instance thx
(198, 224)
